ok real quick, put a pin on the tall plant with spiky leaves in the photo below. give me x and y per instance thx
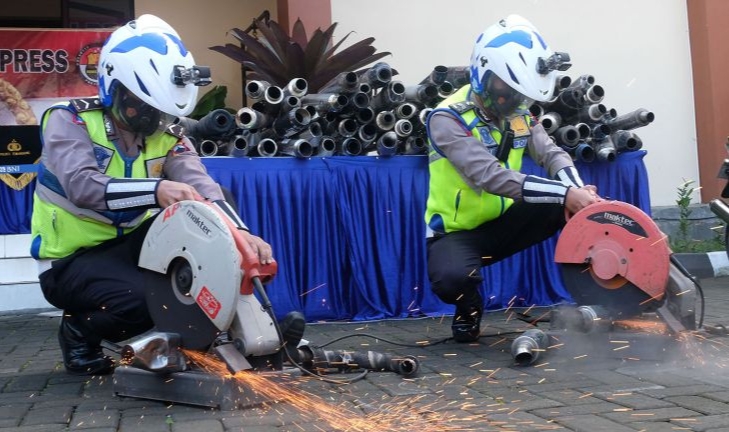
(270, 54)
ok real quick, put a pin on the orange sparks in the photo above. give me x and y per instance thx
(659, 240)
(649, 326)
(313, 289)
(539, 318)
(312, 408)
(650, 299)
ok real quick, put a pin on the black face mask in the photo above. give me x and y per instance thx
(136, 115)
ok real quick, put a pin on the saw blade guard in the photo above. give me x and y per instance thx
(194, 233)
(619, 243)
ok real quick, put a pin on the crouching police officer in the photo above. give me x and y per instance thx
(107, 162)
(481, 208)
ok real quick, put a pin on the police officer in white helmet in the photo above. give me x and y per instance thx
(108, 164)
(481, 208)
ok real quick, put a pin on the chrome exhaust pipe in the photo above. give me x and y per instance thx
(720, 209)
(325, 146)
(267, 148)
(299, 148)
(239, 146)
(256, 89)
(387, 144)
(296, 87)
(526, 348)
(157, 352)
(208, 148)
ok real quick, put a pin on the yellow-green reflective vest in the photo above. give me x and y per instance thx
(57, 232)
(452, 204)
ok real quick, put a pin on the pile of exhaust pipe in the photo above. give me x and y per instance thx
(357, 113)
(369, 112)
(577, 120)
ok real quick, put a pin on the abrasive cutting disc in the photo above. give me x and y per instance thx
(173, 309)
(618, 295)
(622, 249)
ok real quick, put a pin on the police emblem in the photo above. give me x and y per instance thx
(87, 62)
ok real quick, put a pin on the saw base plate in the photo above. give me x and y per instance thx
(193, 387)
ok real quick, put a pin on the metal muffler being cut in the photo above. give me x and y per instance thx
(157, 352)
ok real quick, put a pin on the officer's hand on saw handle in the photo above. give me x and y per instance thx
(579, 198)
(260, 247)
(170, 192)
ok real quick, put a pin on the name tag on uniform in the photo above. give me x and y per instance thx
(519, 143)
(519, 126)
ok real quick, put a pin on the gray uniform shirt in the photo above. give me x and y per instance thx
(69, 154)
(480, 169)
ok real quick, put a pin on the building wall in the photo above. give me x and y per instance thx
(637, 50)
(709, 33)
(205, 24)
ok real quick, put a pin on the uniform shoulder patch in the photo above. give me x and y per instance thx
(461, 107)
(86, 104)
(175, 130)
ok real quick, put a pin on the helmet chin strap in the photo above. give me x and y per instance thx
(483, 110)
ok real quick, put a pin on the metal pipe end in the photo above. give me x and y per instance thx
(408, 366)
(208, 148)
(267, 147)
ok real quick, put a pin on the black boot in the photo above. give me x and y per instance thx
(466, 325)
(292, 330)
(82, 355)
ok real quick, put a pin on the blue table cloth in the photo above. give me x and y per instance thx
(348, 232)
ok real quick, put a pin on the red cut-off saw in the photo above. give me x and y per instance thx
(613, 255)
(201, 282)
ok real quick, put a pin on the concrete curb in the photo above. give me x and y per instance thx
(705, 265)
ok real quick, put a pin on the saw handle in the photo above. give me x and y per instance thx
(251, 265)
(249, 262)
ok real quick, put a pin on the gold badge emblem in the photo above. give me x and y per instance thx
(14, 146)
(519, 126)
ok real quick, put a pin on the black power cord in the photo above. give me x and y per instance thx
(417, 345)
(268, 307)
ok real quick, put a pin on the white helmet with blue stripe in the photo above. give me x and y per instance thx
(511, 50)
(142, 56)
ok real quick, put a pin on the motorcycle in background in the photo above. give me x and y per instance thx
(717, 206)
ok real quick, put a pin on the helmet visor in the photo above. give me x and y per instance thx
(500, 98)
(135, 114)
